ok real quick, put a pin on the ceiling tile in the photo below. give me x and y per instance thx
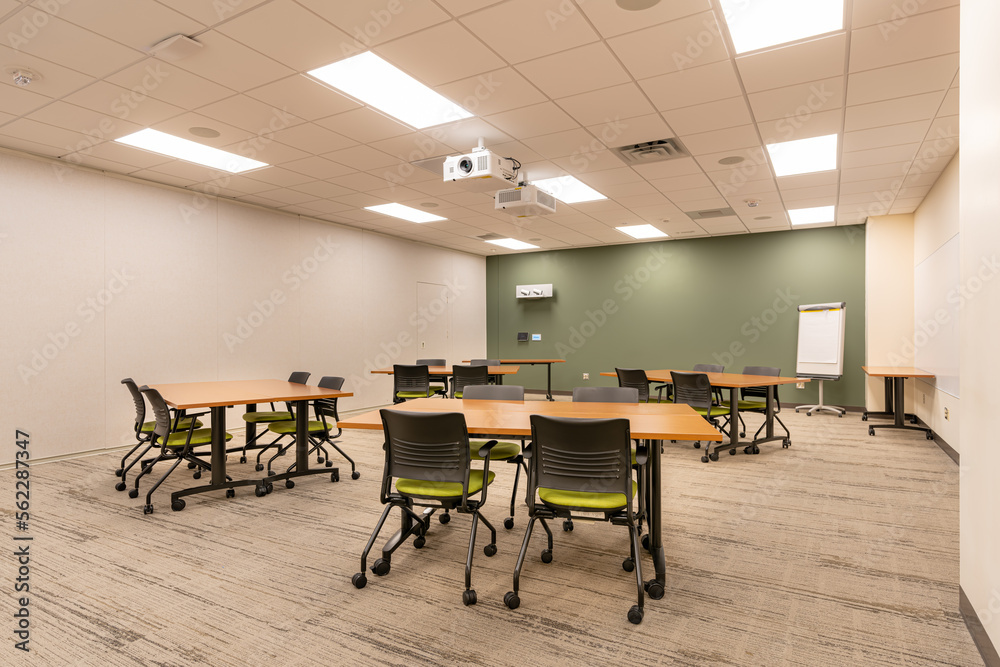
(561, 144)
(163, 81)
(744, 136)
(522, 30)
(438, 55)
(802, 126)
(136, 23)
(318, 167)
(890, 15)
(671, 47)
(696, 85)
(17, 101)
(875, 187)
(99, 126)
(686, 182)
(808, 180)
(890, 135)
(623, 132)
(611, 20)
(225, 59)
(879, 171)
(266, 149)
(323, 189)
(815, 192)
(54, 80)
(919, 36)
(32, 147)
(682, 197)
(312, 138)
(580, 70)
(943, 127)
(136, 107)
(123, 154)
(361, 181)
(250, 115)
(210, 13)
(668, 168)
(892, 112)
(950, 105)
(726, 225)
(303, 96)
(160, 177)
(903, 80)
(48, 135)
(589, 161)
(179, 126)
(710, 116)
(492, 92)
(372, 22)
(533, 121)
(803, 98)
(286, 196)
(362, 158)
(799, 63)
(605, 105)
(279, 176)
(364, 125)
(290, 34)
(464, 135)
(874, 156)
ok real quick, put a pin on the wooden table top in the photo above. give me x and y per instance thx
(896, 372)
(526, 361)
(737, 380)
(446, 370)
(665, 421)
(187, 395)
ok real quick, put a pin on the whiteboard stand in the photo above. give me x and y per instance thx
(819, 407)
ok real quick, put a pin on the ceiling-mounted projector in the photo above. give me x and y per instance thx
(479, 170)
(524, 200)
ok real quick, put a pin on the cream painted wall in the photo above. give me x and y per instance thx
(935, 223)
(106, 277)
(980, 323)
(889, 301)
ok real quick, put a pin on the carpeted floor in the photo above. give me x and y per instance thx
(842, 550)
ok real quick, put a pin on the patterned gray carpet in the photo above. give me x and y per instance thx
(842, 550)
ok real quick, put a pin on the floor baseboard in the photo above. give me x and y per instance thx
(982, 640)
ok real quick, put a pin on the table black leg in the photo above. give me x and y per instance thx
(888, 385)
(548, 372)
(301, 466)
(219, 478)
(655, 587)
(899, 411)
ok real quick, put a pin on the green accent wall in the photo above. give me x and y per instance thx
(728, 300)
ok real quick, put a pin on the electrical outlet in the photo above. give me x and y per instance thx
(586, 376)
(800, 385)
(947, 417)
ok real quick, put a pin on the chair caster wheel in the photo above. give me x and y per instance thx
(511, 600)
(930, 436)
(190, 465)
(147, 509)
(120, 486)
(635, 615)
(704, 459)
(490, 550)
(335, 476)
(355, 475)
(133, 493)
(654, 589)
(547, 556)
(177, 505)
(786, 443)
(871, 431)
(714, 456)
(259, 467)
(230, 493)
(259, 491)
(732, 452)
(444, 518)
(381, 567)
(746, 450)
(197, 475)
(319, 459)
(419, 543)
(359, 580)
(756, 449)
(508, 523)
(469, 598)
(243, 459)
(645, 542)
(697, 445)
(289, 484)
(269, 487)
(628, 564)
(743, 434)
(119, 472)
(568, 526)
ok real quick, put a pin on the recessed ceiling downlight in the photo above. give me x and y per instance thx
(205, 132)
(732, 159)
(636, 5)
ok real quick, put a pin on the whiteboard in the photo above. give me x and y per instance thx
(935, 339)
(821, 340)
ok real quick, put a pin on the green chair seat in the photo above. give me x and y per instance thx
(585, 500)
(288, 427)
(184, 424)
(500, 452)
(414, 394)
(745, 405)
(202, 436)
(256, 417)
(424, 489)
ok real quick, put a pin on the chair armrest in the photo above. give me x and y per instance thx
(641, 454)
(527, 453)
(484, 451)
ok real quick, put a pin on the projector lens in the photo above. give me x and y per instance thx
(465, 165)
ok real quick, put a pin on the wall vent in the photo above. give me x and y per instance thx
(651, 151)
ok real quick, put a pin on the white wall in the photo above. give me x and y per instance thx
(106, 278)
(980, 322)
(936, 261)
(888, 301)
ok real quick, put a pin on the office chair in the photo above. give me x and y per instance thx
(634, 377)
(465, 376)
(494, 379)
(178, 446)
(410, 381)
(759, 405)
(695, 390)
(442, 387)
(428, 456)
(502, 451)
(320, 432)
(581, 465)
(144, 430)
(298, 377)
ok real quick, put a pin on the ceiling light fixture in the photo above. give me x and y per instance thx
(568, 189)
(637, 5)
(732, 159)
(378, 84)
(205, 132)
(190, 151)
(759, 24)
(811, 216)
(404, 212)
(641, 231)
(512, 244)
(804, 156)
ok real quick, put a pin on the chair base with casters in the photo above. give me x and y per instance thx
(179, 424)
(510, 452)
(323, 433)
(178, 447)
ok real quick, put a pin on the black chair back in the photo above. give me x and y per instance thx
(299, 377)
(465, 376)
(431, 362)
(161, 412)
(591, 455)
(425, 446)
(634, 377)
(484, 362)
(140, 404)
(759, 392)
(328, 406)
(605, 395)
(410, 377)
(692, 388)
(494, 392)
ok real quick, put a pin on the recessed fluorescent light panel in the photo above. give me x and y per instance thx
(804, 156)
(404, 212)
(641, 231)
(378, 84)
(191, 151)
(758, 24)
(811, 216)
(568, 190)
(513, 244)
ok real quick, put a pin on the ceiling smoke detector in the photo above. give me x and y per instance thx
(751, 203)
(22, 77)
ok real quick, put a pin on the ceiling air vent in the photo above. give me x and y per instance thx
(651, 151)
(710, 213)
(490, 237)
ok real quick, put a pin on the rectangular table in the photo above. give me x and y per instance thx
(894, 379)
(220, 395)
(531, 362)
(734, 382)
(647, 421)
